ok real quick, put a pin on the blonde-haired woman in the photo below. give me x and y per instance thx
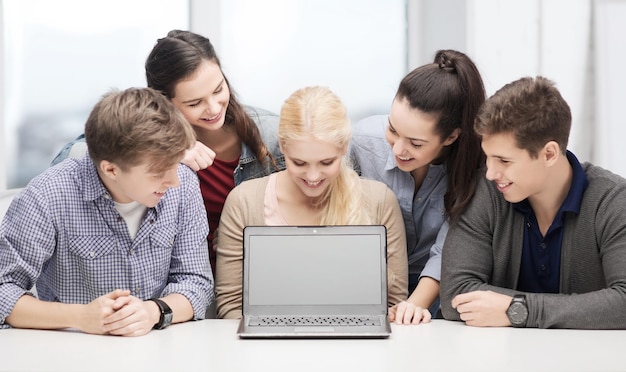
(318, 187)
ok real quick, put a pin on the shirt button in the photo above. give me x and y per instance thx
(543, 245)
(543, 267)
(419, 199)
(132, 252)
(92, 254)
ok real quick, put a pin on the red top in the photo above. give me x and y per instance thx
(216, 182)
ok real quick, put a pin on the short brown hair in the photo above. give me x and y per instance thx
(531, 109)
(135, 126)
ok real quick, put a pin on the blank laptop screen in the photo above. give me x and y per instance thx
(315, 270)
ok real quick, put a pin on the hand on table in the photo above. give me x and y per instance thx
(132, 317)
(119, 313)
(483, 308)
(407, 313)
(92, 317)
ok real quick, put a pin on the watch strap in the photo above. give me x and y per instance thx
(165, 319)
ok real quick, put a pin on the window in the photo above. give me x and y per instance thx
(59, 57)
(357, 48)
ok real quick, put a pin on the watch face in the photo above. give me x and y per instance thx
(167, 319)
(518, 313)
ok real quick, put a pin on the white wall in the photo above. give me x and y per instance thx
(357, 48)
(608, 146)
(515, 38)
(506, 38)
(3, 156)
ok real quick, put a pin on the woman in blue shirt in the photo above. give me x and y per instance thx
(426, 151)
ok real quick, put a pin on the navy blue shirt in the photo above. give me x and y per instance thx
(541, 255)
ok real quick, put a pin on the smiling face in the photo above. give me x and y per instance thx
(312, 164)
(516, 174)
(412, 137)
(138, 183)
(203, 97)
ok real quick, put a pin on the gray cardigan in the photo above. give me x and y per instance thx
(483, 252)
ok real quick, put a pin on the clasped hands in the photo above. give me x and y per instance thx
(118, 313)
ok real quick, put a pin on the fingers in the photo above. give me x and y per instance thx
(426, 317)
(463, 298)
(120, 302)
(392, 313)
(404, 314)
(199, 156)
(407, 313)
(133, 319)
(117, 293)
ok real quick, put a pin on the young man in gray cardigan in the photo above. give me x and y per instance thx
(543, 243)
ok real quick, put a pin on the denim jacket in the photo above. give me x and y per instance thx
(249, 166)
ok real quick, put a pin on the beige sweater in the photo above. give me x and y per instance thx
(244, 206)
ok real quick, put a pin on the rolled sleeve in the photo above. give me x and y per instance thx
(432, 269)
(25, 226)
(397, 264)
(190, 272)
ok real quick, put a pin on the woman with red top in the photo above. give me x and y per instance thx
(234, 142)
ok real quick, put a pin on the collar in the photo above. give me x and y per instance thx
(92, 186)
(574, 196)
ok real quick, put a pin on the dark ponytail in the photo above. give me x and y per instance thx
(452, 89)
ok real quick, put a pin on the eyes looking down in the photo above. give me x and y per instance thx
(412, 136)
(139, 183)
(312, 164)
(509, 167)
(203, 97)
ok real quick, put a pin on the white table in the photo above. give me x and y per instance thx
(212, 345)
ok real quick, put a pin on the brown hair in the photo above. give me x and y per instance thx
(136, 125)
(176, 57)
(532, 109)
(451, 89)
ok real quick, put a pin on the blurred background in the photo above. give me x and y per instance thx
(59, 57)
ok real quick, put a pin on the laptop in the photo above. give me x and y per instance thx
(314, 282)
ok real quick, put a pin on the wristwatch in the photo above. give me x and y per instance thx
(166, 314)
(518, 311)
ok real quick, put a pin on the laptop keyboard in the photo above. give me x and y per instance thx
(299, 321)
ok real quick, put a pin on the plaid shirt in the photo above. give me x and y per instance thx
(64, 234)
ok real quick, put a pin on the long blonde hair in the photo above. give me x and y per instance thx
(318, 112)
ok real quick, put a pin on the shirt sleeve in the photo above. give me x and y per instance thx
(190, 272)
(432, 268)
(397, 262)
(230, 256)
(26, 242)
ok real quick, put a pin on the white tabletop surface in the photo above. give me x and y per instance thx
(212, 345)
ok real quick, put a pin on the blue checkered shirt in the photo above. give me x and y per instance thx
(64, 234)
